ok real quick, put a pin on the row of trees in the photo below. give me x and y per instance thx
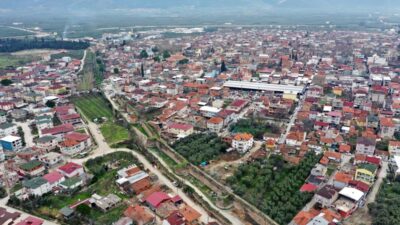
(14, 45)
(273, 186)
(198, 148)
(256, 127)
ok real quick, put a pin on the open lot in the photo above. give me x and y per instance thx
(75, 54)
(93, 106)
(114, 133)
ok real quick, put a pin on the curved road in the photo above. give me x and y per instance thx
(104, 149)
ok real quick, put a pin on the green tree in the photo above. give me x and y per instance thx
(21, 135)
(157, 59)
(143, 54)
(3, 192)
(183, 61)
(116, 70)
(6, 82)
(142, 70)
(83, 209)
(166, 54)
(50, 104)
(223, 67)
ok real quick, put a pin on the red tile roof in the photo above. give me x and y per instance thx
(70, 167)
(64, 128)
(180, 126)
(156, 198)
(30, 220)
(77, 136)
(308, 187)
(53, 177)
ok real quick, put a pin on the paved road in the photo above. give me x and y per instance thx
(27, 132)
(103, 149)
(382, 174)
(3, 203)
(292, 120)
(82, 61)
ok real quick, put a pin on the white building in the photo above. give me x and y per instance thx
(36, 186)
(242, 142)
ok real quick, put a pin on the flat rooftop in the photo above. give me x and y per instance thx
(291, 89)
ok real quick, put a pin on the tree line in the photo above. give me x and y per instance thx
(14, 45)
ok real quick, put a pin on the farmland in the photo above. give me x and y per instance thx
(8, 60)
(93, 106)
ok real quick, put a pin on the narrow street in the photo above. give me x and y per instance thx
(292, 120)
(27, 132)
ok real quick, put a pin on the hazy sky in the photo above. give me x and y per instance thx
(191, 7)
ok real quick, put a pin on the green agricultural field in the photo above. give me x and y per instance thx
(114, 133)
(8, 60)
(93, 107)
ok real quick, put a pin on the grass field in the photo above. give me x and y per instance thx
(75, 54)
(8, 60)
(93, 106)
(114, 133)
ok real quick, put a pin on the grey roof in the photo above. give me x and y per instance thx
(34, 183)
(264, 86)
(66, 211)
(6, 125)
(45, 139)
(366, 141)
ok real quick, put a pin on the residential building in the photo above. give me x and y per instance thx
(180, 130)
(242, 142)
(365, 146)
(11, 143)
(215, 124)
(36, 186)
(366, 173)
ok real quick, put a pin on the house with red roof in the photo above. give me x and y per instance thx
(74, 119)
(386, 127)
(139, 215)
(237, 105)
(215, 124)
(175, 218)
(58, 131)
(156, 199)
(75, 143)
(54, 178)
(180, 130)
(71, 170)
(30, 220)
